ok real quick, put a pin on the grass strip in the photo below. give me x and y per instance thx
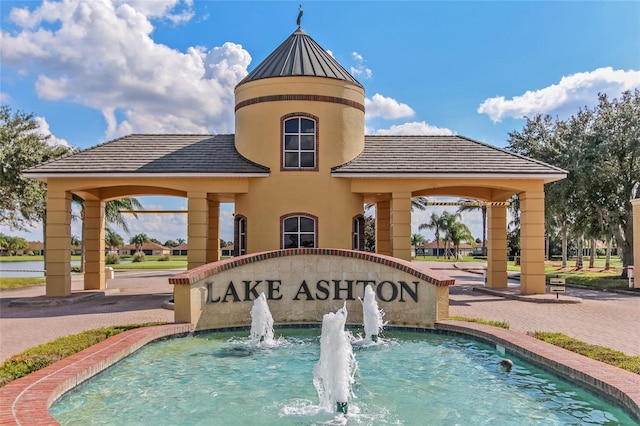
(41, 356)
(599, 353)
(501, 324)
(20, 282)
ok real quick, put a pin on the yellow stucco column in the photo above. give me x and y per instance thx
(496, 247)
(532, 279)
(636, 241)
(58, 243)
(213, 242)
(197, 228)
(401, 225)
(383, 228)
(94, 222)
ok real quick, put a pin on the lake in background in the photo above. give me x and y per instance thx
(26, 269)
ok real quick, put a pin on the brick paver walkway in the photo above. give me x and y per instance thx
(601, 318)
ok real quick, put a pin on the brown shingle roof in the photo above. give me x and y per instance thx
(211, 155)
(171, 154)
(439, 155)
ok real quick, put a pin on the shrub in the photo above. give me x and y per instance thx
(138, 257)
(46, 354)
(112, 259)
(164, 258)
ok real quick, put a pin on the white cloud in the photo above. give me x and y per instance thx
(101, 54)
(571, 93)
(415, 128)
(43, 129)
(360, 69)
(381, 106)
(5, 98)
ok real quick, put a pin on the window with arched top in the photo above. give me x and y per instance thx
(299, 231)
(299, 142)
(239, 235)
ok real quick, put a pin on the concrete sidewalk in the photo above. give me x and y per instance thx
(607, 319)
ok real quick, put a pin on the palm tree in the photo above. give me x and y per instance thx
(113, 216)
(436, 223)
(138, 240)
(450, 220)
(475, 207)
(459, 232)
(113, 240)
(417, 239)
(180, 241)
(16, 243)
(4, 242)
(113, 211)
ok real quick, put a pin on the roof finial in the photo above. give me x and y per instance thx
(299, 16)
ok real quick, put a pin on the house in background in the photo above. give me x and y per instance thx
(180, 250)
(227, 251)
(149, 249)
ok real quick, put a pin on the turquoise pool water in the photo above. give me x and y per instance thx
(406, 379)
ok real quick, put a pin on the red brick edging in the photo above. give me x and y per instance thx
(26, 401)
(205, 271)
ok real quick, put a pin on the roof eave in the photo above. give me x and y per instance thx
(43, 176)
(547, 177)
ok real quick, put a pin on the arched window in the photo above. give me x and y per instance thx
(357, 233)
(299, 143)
(299, 231)
(239, 235)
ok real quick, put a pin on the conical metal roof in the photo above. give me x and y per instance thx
(299, 55)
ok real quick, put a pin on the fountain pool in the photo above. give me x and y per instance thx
(405, 378)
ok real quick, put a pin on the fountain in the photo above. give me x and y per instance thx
(372, 316)
(399, 374)
(334, 373)
(261, 322)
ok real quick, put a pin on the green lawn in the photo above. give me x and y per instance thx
(20, 282)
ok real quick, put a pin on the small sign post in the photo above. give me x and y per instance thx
(557, 286)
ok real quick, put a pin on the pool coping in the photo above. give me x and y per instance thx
(26, 401)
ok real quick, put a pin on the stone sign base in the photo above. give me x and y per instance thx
(301, 285)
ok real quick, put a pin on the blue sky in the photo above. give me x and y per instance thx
(96, 70)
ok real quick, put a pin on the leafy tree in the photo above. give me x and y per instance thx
(170, 243)
(154, 240)
(180, 241)
(22, 200)
(138, 240)
(600, 148)
(370, 234)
